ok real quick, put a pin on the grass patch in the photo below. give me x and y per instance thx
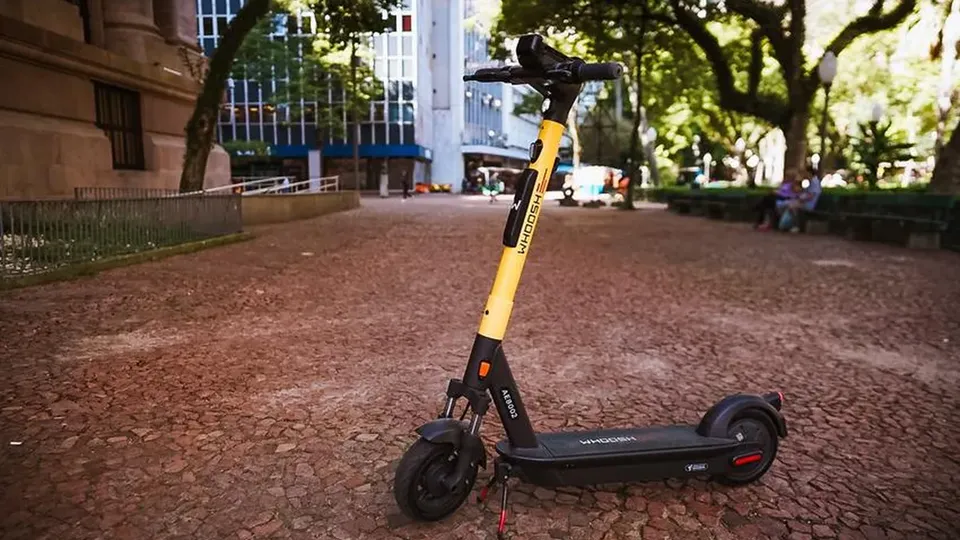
(87, 269)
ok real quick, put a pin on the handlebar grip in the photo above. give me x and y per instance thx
(488, 75)
(600, 72)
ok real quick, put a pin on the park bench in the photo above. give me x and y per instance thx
(914, 220)
(680, 205)
(733, 206)
(715, 206)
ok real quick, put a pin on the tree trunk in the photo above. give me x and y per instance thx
(353, 113)
(946, 175)
(795, 133)
(636, 153)
(202, 126)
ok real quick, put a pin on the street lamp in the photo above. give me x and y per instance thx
(827, 71)
(876, 114)
(740, 147)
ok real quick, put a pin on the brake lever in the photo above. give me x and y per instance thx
(560, 75)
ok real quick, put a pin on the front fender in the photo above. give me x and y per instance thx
(450, 431)
(443, 430)
(715, 422)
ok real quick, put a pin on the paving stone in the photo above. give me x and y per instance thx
(146, 412)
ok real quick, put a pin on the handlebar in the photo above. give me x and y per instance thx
(574, 71)
(606, 71)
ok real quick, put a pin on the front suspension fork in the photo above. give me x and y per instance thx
(471, 449)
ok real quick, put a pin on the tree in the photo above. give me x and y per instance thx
(531, 102)
(201, 128)
(296, 72)
(601, 26)
(340, 27)
(946, 175)
(877, 144)
(345, 23)
(777, 31)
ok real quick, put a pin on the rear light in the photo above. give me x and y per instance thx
(747, 459)
(775, 399)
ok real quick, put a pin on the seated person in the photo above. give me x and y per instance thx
(769, 208)
(807, 200)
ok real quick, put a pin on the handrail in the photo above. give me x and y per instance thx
(325, 183)
(317, 183)
(240, 185)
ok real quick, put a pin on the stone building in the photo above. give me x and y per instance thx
(97, 93)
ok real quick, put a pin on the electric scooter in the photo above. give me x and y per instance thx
(735, 442)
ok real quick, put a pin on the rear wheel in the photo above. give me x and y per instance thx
(752, 426)
(418, 486)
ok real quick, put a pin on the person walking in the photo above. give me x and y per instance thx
(405, 184)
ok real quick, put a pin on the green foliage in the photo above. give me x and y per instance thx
(884, 57)
(876, 144)
(307, 67)
(893, 69)
(238, 147)
(341, 23)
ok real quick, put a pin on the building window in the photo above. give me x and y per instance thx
(84, 11)
(118, 115)
(207, 27)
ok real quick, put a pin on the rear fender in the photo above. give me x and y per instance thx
(450, 431)
(716, 421)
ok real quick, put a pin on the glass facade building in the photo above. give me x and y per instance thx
(418, 67)
(483, 102)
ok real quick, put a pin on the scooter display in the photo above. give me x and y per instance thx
(735, 442)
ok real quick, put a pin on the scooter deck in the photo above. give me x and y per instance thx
(618, 455)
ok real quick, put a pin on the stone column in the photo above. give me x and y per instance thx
(129, 28)
(177, 20)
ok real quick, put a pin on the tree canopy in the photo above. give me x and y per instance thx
(259, 45)
(736, 69)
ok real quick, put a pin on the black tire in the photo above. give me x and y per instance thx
(754, 425)
(415, 485)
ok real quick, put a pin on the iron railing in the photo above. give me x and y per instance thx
(100, 193)
(41, 236)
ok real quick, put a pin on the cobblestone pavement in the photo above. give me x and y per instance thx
(267, 389)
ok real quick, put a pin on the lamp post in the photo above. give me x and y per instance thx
(827, 71)
(876, 114)
(650, 146)
(740, 147)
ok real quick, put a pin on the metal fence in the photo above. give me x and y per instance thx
(100, 193)
(40, 236)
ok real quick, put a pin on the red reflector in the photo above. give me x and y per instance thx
(745, 460)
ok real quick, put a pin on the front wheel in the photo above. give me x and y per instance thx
(418, 486)
(755, 426)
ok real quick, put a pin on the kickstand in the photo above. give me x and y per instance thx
(502, 525)
(482, 497)
(500, 476)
